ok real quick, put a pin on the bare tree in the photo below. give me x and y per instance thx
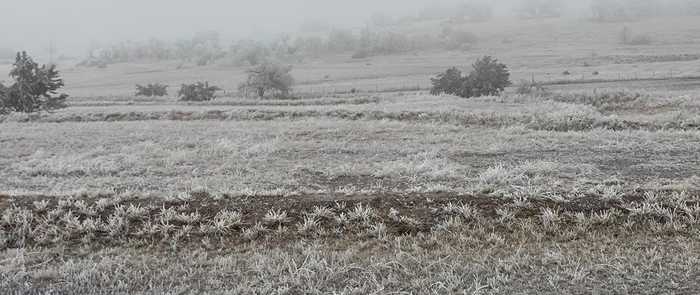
(269, 77)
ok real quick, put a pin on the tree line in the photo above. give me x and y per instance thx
(207, 48)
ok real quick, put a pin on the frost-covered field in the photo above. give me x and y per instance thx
(376, 193)
(592, 186)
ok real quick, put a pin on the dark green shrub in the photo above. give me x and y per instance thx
(151, 90)
(449, 82)
(34, 89)
(200, 91)
(488, 77)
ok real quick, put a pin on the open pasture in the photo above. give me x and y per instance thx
(591, 186)
(452, 177)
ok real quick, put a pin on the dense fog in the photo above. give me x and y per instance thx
(71, 27)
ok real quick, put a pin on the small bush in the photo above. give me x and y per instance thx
(35, 87)
(151, 90)
(488, 77)
(566, 73)
(200, 91)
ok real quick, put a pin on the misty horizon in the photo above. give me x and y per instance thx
(73, 27)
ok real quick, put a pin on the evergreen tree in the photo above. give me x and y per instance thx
(34, 89)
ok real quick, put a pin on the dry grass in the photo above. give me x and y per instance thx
(646, 248)
(404, 143)
(576, 190)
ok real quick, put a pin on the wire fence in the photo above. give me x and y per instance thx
(424, 85)
(595, 77)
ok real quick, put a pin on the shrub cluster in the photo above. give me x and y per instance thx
(35, 87)
(151, 90)
(200, 91)
(488, 77)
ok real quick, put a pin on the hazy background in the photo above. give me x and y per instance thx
(72, 25)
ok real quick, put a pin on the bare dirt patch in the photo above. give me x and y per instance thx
(398, 214)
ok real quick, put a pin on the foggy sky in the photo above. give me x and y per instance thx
(72, 26)
(34, 24)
